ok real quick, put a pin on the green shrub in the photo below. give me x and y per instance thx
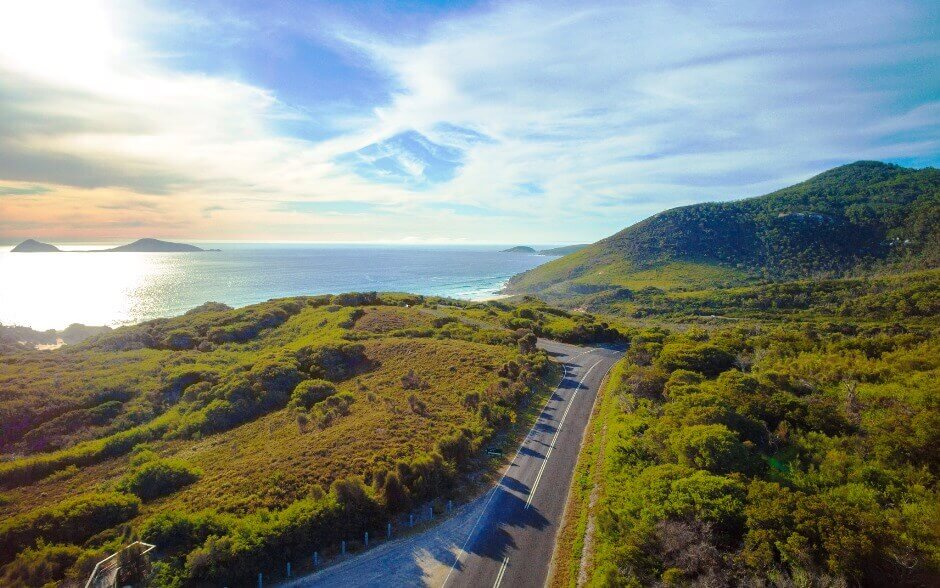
(310, 392)
(158, 477)
(70, 521)
(705, 359)
(173, 530)
(709, 447)
(40, 565)
(333, 362)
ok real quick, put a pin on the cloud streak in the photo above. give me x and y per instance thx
(519, 121)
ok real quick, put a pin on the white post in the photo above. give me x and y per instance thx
(411, 519)
(288, 569)
(389, 530)
(316, 558)
(259, 580)
(367, 539)
(342, 548)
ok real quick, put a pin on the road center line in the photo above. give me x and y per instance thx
(548, 454)
(502, 571)
(463, 548)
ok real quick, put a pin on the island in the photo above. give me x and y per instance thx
(153, 246)
(519, 249)
(147, 245)
(34, 246)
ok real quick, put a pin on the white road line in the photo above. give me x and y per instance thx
(548, 454)
(463, 548)
(502, 571)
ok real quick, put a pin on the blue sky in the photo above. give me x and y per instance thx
(509, 122)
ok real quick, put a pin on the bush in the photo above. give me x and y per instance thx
(709, 447)
(412, 381)
(705, 359)
(310, 392)
(71, 521)
(171, 530)
(158, 477)
(333, 362)
(40, 565)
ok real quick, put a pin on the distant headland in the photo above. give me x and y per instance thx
(556, 251)
(139, 246)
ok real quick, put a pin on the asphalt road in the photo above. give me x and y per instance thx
(505, 537)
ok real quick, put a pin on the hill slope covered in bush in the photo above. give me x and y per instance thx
(233, 438)
(852, 218)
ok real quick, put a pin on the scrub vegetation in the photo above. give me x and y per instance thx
(784, 454)
(236, 439)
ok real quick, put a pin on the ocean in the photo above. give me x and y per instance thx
(53, 290)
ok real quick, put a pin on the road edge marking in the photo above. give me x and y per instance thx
(561, 423)
(486, 505)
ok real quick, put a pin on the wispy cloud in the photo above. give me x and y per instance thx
(23, 190)
(513, 119)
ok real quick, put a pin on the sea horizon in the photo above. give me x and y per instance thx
(51, 291)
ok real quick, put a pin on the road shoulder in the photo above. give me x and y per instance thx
(573, 541)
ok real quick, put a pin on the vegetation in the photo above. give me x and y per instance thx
(71, 521)
(799, 453)
(234, 438)
(855, 217)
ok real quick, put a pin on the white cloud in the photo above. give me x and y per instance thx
(614, 111)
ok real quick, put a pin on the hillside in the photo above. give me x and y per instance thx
(565, 250)
(848, 219)
(330, 415)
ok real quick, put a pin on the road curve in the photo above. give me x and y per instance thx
(506, 536)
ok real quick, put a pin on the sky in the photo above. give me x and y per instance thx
(440, 122)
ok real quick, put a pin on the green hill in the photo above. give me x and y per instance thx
(563, 250)
(852, 218)
(298, 422)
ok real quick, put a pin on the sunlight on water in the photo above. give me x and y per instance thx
(53, 290)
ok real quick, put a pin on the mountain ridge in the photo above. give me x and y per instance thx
(849, 218)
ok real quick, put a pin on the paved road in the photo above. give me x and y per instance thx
(505, 537)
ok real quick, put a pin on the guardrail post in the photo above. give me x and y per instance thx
(450, 506)
(342, 548)
(316, 558)
(288, 569)
(388, 531)
(260, 583)
(431, 511)
(367, 539)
